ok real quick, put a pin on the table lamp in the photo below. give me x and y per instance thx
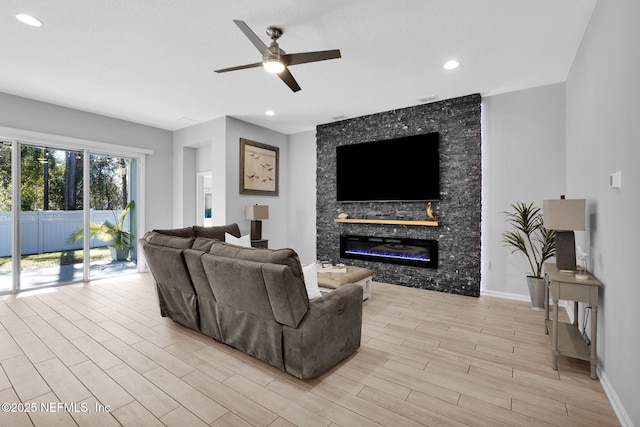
(256, 214)
(564, 216)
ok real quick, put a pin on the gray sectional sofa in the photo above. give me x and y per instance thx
(252, 299)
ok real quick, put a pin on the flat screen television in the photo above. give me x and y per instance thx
(399, 169)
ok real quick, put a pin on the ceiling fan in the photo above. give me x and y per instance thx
(275, 60)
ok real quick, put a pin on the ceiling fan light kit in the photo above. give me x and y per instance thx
(275, 60)
(273, 65)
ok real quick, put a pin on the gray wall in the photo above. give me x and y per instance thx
(523, 160)
(458, 122)
(603, 107)
(206, 138)
(221, 137)
(302, 195)
(35, 116)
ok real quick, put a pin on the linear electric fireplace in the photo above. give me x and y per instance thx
(416, 252)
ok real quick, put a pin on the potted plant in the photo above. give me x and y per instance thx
(120, 241)
(529, 237)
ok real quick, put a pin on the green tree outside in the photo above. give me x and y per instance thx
(51, 179)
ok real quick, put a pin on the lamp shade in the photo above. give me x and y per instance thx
(564, 214)
(256, 212)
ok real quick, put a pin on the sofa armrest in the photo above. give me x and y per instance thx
(330, 332)
(335, 302)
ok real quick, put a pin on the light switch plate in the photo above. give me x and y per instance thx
(615, 180)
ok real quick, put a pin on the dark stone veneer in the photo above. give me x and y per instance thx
(458, 122)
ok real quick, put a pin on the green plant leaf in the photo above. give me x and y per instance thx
(109, 232)
(528, 236)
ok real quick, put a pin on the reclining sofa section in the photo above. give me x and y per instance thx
(252, 299)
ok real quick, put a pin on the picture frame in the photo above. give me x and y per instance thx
(259, 168)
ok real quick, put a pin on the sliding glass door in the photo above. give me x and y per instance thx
(51, 205)
(72, 217)
(6, 218)
(113, 215)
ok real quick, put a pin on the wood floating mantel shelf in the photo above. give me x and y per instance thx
(422, 222)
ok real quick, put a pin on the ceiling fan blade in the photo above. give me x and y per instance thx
(264, 50)
(287, 77)
(239, 67)
(304, 57)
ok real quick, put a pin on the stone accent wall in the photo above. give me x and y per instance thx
(458, 122)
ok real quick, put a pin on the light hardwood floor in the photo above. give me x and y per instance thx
(427, 358)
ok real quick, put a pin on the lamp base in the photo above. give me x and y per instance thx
(256, 229)
(566, 250)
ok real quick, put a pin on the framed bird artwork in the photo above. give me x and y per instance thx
(259, 168)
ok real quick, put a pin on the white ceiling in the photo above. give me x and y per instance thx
(152, 61)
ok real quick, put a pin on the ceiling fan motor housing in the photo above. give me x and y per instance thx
(273, 62)
(274, 32)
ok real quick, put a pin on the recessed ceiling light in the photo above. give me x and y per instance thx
(451, 65)
(29, 20)
(270, 113)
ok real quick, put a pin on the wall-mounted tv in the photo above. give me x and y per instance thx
(399, 169)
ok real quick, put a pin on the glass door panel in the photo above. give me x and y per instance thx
(113, 215)
(50, 216)
(6, 189)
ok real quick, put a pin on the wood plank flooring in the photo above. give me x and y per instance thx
(99, 354)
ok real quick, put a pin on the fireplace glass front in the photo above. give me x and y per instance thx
(415, 252)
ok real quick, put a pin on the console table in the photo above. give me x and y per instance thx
(566, 338)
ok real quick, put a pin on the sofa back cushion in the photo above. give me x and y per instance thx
(287, 304)
(176, 294)
(245, 317)
(179, 232)
(206, 300)
(286, 256)
(203, 244)
(168, 240)
(217, 232)
(239, 284)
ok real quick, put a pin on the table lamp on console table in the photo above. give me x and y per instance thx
(564, 216)
(256, 214)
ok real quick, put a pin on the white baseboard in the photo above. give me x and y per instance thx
(505, 295)
(618, 408)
